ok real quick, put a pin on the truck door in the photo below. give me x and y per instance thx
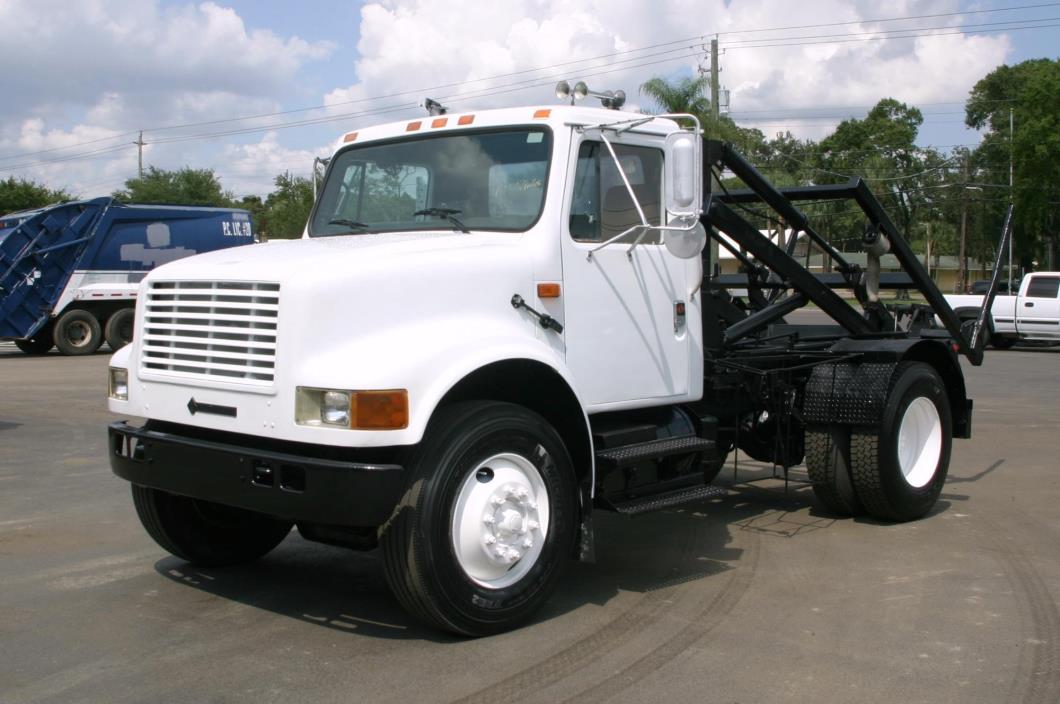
(1038, 308)
(628, 316)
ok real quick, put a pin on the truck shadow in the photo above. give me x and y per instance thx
(345, 590)
(10, 355)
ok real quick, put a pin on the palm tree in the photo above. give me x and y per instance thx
(686, 95)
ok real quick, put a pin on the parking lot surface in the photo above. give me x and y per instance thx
(757, 597)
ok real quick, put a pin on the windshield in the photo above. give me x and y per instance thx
(451, 181)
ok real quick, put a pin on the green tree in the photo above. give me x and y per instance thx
(1030, 91)
(20, 194)
(186, 186)
(881, 147)
(689, 95)
(286, 209)
(685, 95)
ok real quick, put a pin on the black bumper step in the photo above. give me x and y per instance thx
(656, 502)
(628, 455)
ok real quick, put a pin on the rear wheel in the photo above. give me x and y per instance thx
(899, 468)
(205, 533)
(828, 464)
(77, 332)
(1002, 343)
(487, 523)
(36, 345)
(119, 328)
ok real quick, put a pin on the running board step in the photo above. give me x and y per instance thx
(655, 502)
(627, 455)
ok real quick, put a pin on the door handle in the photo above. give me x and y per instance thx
(1028, 304)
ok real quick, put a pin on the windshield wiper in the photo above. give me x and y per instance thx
(347, 223)
(447, 213)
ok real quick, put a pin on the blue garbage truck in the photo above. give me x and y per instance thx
(69, 273)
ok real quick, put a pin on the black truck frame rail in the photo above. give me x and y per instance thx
(775, 267)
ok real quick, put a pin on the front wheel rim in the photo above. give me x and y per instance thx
(500, 520)
(919, 442)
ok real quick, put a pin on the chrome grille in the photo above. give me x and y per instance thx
(220, 330)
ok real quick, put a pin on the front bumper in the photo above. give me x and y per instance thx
(294, 485)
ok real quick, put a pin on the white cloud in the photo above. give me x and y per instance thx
(422, 43)
(86, 73)
(251, 168)
(62, 53)
(78, 73)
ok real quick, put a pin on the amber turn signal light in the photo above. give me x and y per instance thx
(548, 290)
(380, 410)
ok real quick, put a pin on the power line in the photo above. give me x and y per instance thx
(930, 33)
(575, 62)
(897, 19)
(524, 85)
(875, 33)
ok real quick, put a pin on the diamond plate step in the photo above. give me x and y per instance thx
(652, 450)
(656, 502)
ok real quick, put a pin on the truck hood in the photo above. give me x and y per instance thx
(356, 297)
(324, 256)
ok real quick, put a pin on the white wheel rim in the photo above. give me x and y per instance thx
(500, 520)
(919, 442)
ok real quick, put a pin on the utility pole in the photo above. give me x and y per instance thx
(140, 153)
(962, 256)
(1011, 192)
(715, 108)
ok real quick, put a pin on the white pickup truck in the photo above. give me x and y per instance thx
(1032, 314)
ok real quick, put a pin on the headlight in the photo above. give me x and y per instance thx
(118, 384)
(365, 410)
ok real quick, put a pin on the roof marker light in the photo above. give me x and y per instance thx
(465, 120)
(350, 136)
(440, 122)
(542, 113)
(413, 126)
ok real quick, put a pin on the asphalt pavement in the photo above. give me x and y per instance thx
(757, 597)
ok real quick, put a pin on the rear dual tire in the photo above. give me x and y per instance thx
(119, 328)
(828, 464)
(895, 471)
(77, 332)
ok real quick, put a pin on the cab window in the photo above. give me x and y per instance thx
(601, 207)
(1043, 287)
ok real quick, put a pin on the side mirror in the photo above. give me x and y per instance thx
(685, 243)
(683, 182)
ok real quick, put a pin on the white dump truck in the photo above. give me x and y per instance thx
(498, 322)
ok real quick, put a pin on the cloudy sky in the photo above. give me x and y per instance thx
(252, 88)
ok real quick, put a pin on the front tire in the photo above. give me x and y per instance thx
(204, 533)
(77, 332)
(899, 468)
(479, 540)
(37, 345)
